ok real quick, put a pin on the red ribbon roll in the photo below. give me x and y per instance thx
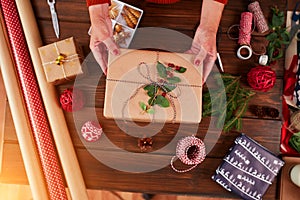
(33, 101)
(245, 28)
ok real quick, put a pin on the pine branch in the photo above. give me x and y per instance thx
(230, 113)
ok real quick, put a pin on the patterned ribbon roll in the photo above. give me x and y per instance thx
(245, 28)
(259, 18)
(33, 101)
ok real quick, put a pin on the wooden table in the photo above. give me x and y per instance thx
(183, 17)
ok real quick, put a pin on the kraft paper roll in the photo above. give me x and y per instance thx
(55, 114)
(21, 121)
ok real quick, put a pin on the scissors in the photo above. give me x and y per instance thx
(294, 25)
(51, 4)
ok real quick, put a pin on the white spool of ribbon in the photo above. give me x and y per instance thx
(242, 55)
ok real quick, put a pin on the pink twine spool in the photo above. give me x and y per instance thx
(191, 151)
(245, 28)
(259, 18)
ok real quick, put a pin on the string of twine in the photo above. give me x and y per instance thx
(245, 29)
(157, 84)
(295, 122)
(182, 148)
(259, 18)
(67, 59)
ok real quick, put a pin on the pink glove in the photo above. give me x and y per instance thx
(204, 47)
(101, 40)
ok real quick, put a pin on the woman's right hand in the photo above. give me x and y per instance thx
(101, 40)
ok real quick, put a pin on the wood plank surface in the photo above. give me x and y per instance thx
(184, 18)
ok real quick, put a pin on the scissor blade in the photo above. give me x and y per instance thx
(55, 24)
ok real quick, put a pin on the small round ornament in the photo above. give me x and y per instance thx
(72, 99)
(261, 78)
(91, 131)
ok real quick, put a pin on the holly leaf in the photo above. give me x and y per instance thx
(174, 79)
(162, 101)
(151, 101)
(151, 90)
(181, 70)
(143, 105)
(161, 69)
(272, 36)
(150, 111)
(168, 88)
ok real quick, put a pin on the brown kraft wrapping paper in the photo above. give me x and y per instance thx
(127, 77)
(70, 65)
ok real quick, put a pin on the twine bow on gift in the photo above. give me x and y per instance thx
(159, 84)
(61, 59)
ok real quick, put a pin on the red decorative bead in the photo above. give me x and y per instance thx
(72, 100)
(91, 131)
(261, 78)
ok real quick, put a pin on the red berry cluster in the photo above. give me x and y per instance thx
(175, 67)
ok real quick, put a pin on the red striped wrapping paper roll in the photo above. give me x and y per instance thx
(33, 101)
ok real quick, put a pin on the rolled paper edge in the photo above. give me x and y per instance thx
(55, 114)
(22, 125)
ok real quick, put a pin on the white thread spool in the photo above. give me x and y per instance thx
(244, 56)
(263, 59)
(295, 175)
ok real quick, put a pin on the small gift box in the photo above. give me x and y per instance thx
(248, 169)
(61, 61)
(153, 86)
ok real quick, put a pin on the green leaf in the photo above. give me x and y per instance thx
(151, 90)
(168, 87)
(272, 36)
(181, 70)
(162, 101)
(174, 79)
(150, 111)
(151, 101)
(161, 69)
(285, 36)
(143, 106)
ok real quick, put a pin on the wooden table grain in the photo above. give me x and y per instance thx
(184, 18)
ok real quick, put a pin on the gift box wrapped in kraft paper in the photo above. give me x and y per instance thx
(61, 61)
(153, 86)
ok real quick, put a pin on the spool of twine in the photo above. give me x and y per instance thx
(259, 18)
(245, 28)
(295, 121)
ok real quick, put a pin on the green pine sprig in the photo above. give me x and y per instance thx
(278, 37)
(228, 104)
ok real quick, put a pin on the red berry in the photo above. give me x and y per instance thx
(163, 94)
(171, 65)
(177, 68)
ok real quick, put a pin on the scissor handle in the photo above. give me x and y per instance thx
(51, 2)
(296, 17)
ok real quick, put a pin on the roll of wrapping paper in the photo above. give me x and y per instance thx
(55, 114)
(34, 105)
(19, 114)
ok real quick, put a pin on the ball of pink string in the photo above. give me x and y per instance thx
(245, 28)
(261, 78)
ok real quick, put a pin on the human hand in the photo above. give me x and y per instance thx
(101, 41)
(204, 47)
